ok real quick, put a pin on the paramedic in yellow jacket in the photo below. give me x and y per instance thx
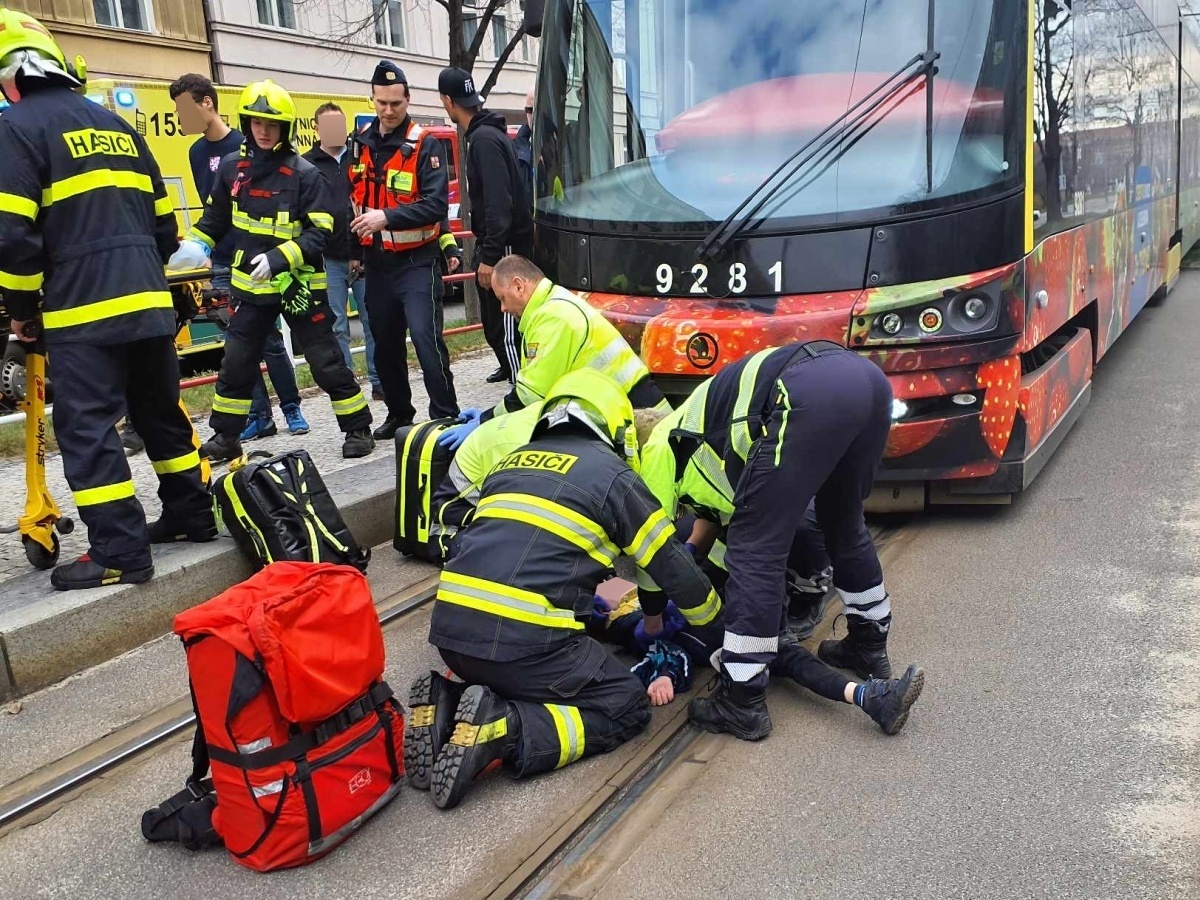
(560, 333)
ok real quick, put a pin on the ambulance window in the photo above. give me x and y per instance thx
(448, 156)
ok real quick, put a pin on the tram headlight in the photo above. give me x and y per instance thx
(945, 313)
(975, 308)
(899, 410)
(891, 323)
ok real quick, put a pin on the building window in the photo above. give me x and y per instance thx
(389, 23)
(499, 35)
(279, 13)
(470, 27)
(130, 14)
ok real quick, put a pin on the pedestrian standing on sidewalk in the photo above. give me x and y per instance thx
(401, 197)
(501, 217)
(343, 258)
(196, 105)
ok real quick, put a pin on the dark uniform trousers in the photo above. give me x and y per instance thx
(249, 326)
(573, 701)
(408, 298)
(824, 439)
(94, 386)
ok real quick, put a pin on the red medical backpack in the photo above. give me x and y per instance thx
(303, 737)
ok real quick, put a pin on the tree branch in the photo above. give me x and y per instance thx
(508, 51)
(445, 4)
(485, 21)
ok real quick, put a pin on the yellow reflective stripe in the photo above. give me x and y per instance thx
(176, 465)
(568, 724)
(706, 612)
(239, 511)
(739, 432)
(195, 234)
(655, 532)
(107, 493)
(243, 282)
(163, 206)
(21, 282)
(107, 309)
(349, 405)
(18, 205)
(230, 406)
(323, 221)
(447, 240)
(272, 227)
(504, 600)
(292, 253)
(786, 402)
(618, 361)
(553, 517)
(95, 181)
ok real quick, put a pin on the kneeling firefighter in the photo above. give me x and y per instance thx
(85, 228)
(513, 603)
(279, 205)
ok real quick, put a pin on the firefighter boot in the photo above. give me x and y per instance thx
(358, 444)
(737, 708)
(83, 573)
(432, 702)
(221, 447)
(888, 702)
(486, 729)
(862, 651)
(169, 531)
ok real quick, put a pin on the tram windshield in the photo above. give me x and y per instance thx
(668, 113)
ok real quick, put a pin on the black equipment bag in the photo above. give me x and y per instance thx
(280, 509)
(421, 466)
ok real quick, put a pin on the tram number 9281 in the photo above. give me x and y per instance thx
(735, 279)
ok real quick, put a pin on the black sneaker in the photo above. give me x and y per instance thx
(165, 531)
(390, 426)
(735, 708)
(863, 651)
(221, 447)
(432, 702)
(486, 730)
(888, 702)
(83, 573)
(131, 441)
(358, 444)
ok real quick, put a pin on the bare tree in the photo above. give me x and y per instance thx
(1054, 101)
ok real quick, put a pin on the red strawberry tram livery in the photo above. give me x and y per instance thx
(935, 184)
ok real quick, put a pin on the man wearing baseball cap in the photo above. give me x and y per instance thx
(500, 210)
(399, 194)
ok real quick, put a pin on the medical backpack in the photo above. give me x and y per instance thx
(279, 508)
(303, 737)
(421, 466)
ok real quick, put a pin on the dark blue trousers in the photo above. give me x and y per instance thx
(409, 299)
(824, 438)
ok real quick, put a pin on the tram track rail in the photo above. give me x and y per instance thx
(572, 857)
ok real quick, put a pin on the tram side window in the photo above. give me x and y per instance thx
(1055, 160)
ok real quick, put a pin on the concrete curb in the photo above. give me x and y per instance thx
(47, 635)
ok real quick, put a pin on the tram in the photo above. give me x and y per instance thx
(979, 195)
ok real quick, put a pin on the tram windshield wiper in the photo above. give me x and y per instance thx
(831, 143)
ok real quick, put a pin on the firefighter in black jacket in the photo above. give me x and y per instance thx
(512, 605)
(279, 205)
(85, 219)
(400, 192)
(500, 209)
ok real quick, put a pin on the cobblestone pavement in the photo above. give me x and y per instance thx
(323, 442)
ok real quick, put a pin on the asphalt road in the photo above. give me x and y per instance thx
(1054, 753)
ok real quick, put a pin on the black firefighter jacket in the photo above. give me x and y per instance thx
(84, 218)
(553, 516)
(278, 203)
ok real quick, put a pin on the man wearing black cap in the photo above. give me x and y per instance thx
(400, 197)
(500, 210)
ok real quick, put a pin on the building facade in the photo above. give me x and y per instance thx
(132, 39)
(333, 46)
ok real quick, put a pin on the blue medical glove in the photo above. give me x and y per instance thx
(470, 415)
(690, 548)
(453, 436)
